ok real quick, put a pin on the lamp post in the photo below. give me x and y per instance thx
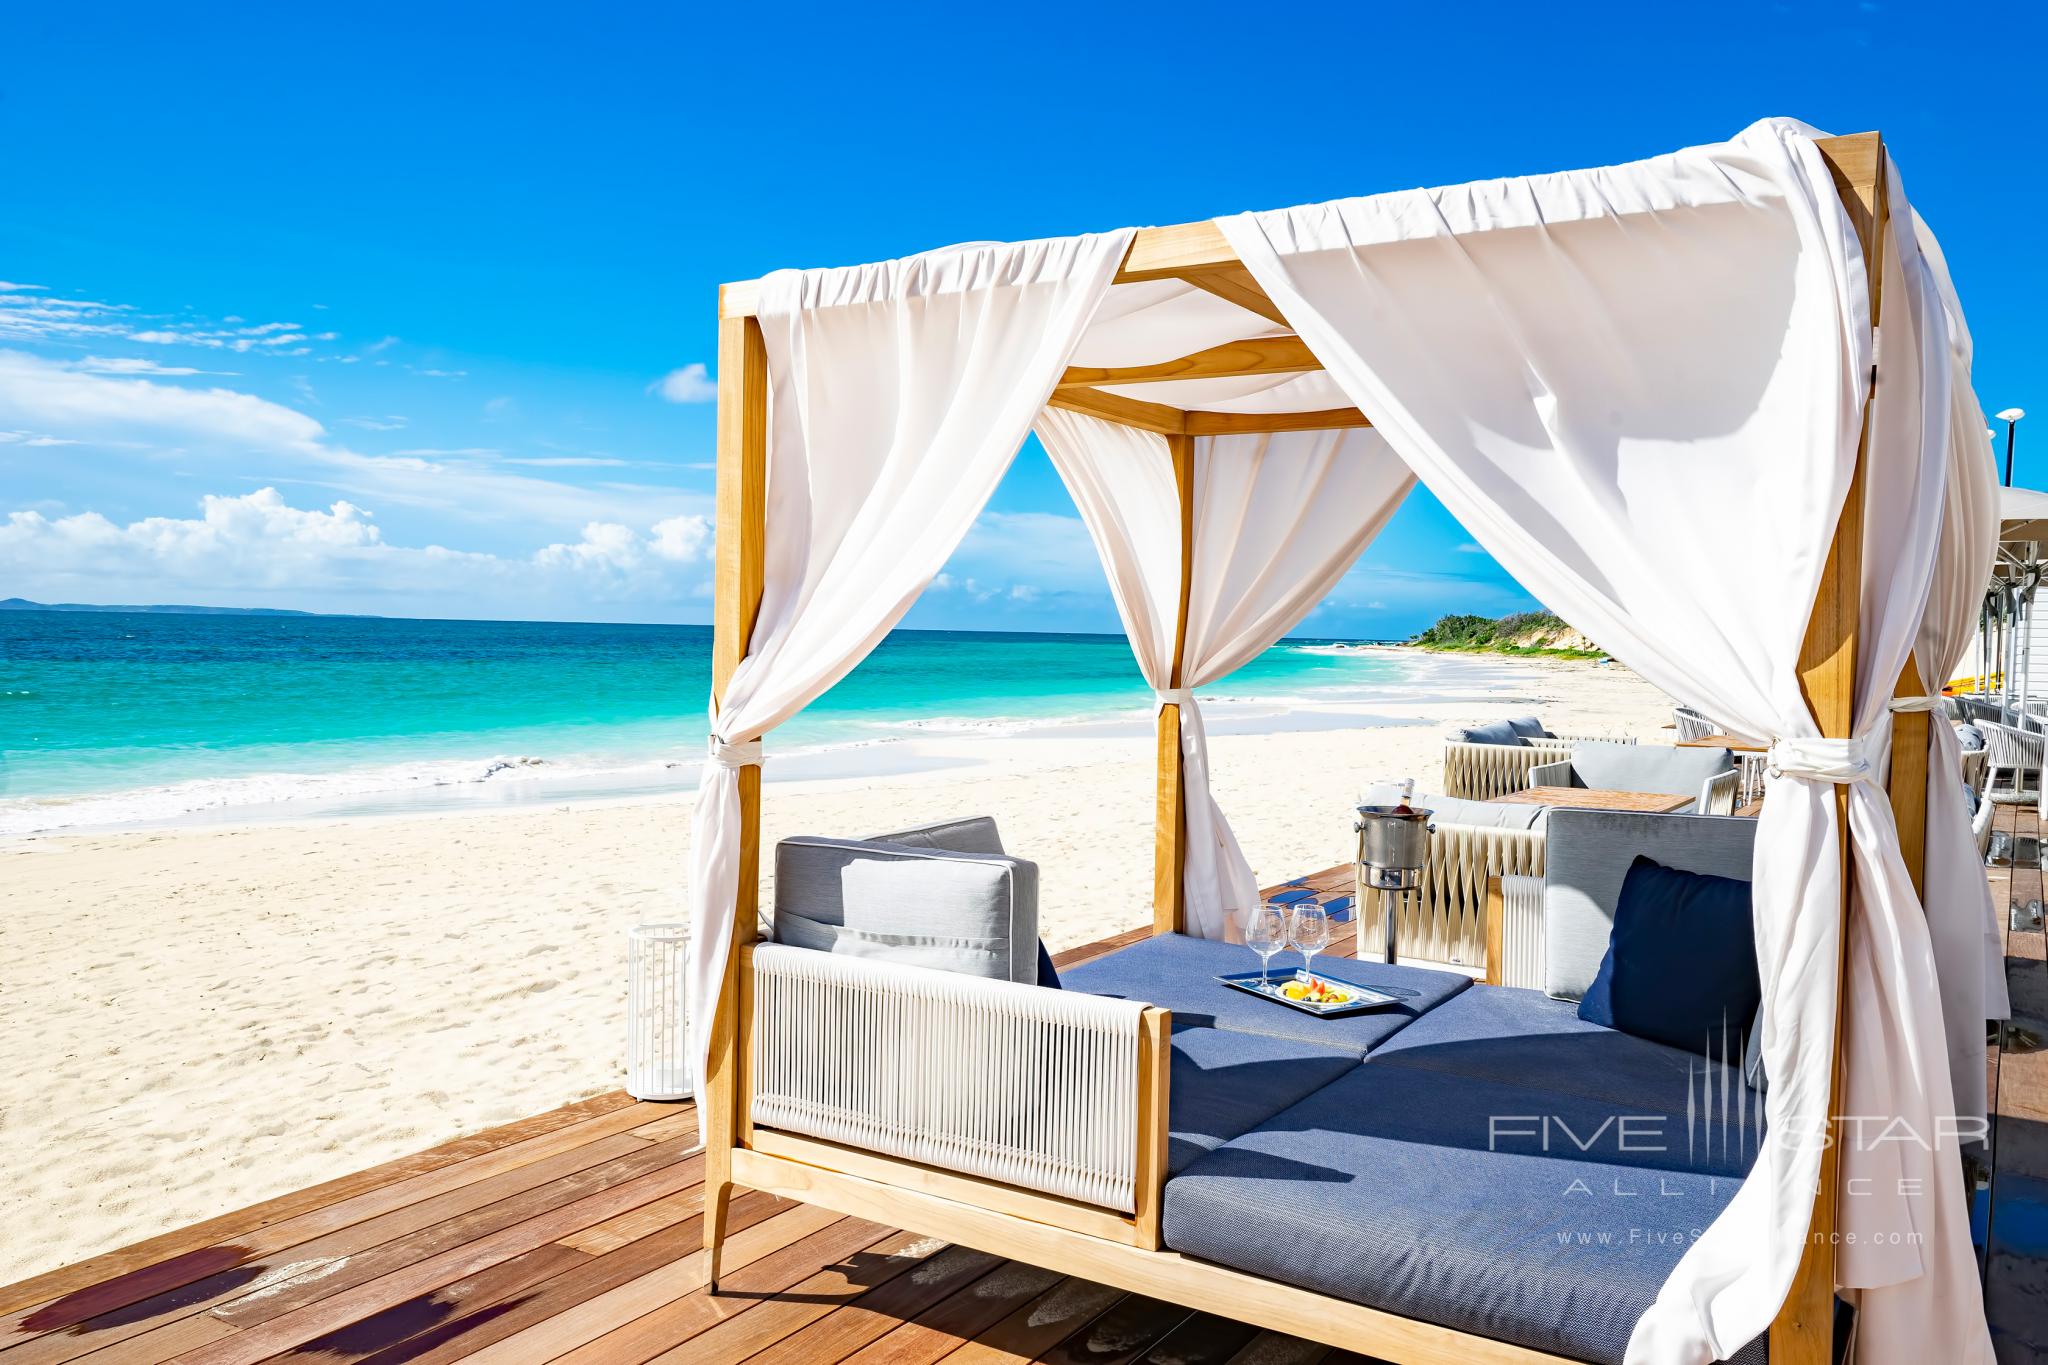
(2011, 418)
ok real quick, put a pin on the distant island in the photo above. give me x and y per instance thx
(1523, 632)
(23, 604)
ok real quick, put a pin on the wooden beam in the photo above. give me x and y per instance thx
(742, 504)
(1803, 1333)
(1231, 360)
(1229, 423)
(1113, 407)
(1170, 797)
(1236, 285)
(1177, 252)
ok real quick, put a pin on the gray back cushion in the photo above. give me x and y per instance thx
(975, 834)
(1662, 768)
(1450, 810)
(958, 911)
(1970, 737)
(1493, 732)
(1586, 855)
(1529, 727)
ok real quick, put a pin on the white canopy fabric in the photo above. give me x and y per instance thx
(1641, 388)
(1278, 518)
(1600, 374)
(900, 394)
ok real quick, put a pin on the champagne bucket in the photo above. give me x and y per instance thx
(1393, 846)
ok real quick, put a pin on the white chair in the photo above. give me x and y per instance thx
(1717, 794)
(1692, 724)
(1974, 763)
(1980, 825)
(2013, 751)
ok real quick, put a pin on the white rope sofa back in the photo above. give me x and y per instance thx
(1035, 1088)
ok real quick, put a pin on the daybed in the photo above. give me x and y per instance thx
(1238, 407)
(1475, 1156)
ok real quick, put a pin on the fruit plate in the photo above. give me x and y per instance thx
(1360, 997)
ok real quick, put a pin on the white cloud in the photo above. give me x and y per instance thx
(32, 438)
(10, 287)
(1023, 592)
(228, 425)
(121, 364)
(383, 345)
(690, 383)
(391, 423)
(258, 546)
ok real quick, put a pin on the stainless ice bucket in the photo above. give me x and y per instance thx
(1393, 845)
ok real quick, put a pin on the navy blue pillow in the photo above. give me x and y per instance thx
(1681, 962)
(1047, 976)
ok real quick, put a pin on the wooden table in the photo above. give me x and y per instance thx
(1594, 798)
(1735, 742)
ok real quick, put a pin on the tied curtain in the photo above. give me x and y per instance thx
(899, 394)
(1278, 518)
(1969, 947)
(1642, 388)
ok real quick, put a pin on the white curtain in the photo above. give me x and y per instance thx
(1278, 518)
(1641, 389)
(899, 393)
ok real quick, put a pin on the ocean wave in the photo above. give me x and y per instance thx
(153, 805)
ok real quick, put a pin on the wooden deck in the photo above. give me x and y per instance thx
(575, 1236)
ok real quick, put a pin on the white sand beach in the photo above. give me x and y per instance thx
(204, 1017)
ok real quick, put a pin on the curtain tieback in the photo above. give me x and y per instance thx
(735, 756)
(1820, 760)
(1172, 696)
(1918, 703)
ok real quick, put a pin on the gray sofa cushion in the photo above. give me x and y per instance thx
(1970, 737)
(1646, 767)
(1179, 973)
(975, 834)
(1462, 1202)
(1493, 732)
(1587, 854)
(1529, 727)
(1225, 1083)
(975, 913)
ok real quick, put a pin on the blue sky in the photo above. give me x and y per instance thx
(370, 308)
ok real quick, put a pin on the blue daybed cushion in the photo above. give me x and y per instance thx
(1179, 973)
(1493, 732)
(1681, 963)
(1048, 975)
(1225, 1083)
(1465, 1204)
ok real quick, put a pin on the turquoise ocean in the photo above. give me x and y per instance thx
(131, 718)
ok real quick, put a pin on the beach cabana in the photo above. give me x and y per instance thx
(1654, 392)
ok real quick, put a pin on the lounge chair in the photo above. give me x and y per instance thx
(1692, 724)
(2013, 753)
(1671, 770)
(1486, 762)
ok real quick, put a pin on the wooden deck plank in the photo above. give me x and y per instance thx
(486, 1325)
(957, 1319)
(258, 1289)
(2015, 1247)
(684, 1316)
(659, 1287)
(84, 1275)
(231, 1259)
(1039, 1325)
(838, 1333)
(1121, 1335)
(337, 1310)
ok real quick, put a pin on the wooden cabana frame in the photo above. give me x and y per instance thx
(1126, 1251)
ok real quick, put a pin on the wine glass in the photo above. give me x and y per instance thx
(1265, 933)
(1308, 932)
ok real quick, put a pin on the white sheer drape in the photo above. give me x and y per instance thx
(899, 394)
(1278, 518)
(1641, 389)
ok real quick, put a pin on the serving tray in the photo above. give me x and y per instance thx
(1362, 997)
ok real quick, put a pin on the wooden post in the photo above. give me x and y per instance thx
(1803, 1333)
(1907, 783)
(741, 532)
(1170, 803)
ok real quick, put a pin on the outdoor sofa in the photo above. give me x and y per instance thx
(1476, 1157)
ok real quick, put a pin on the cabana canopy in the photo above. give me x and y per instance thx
(1651, 391)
